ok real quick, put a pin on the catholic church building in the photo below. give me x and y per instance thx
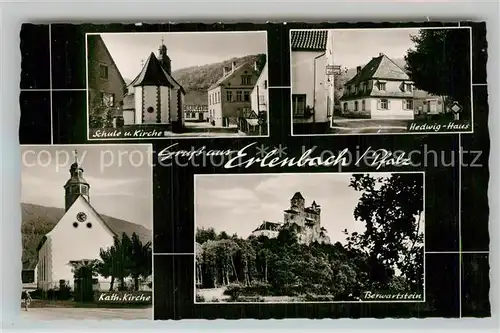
(158, 98)
(306, 220)
(79, 235)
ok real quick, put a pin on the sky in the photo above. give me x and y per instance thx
(239, 203)
(120, 185)
(352, 48)
(184, 49)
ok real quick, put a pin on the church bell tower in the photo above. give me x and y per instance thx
(76, 185)
(164, 58)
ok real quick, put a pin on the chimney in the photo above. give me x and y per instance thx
(380, 54)
(233, 66)
(223, 71)
(255, 65)
(358, 69)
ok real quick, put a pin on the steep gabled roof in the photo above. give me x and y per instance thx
(381, 67)
(154, 74)
(98, 39)
(116, 226)
(297, 195)
(309, 40)
(228, 75)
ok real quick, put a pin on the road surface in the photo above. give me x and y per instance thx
(86, 313)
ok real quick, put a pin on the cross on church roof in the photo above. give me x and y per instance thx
(76, 155)
(161, 40)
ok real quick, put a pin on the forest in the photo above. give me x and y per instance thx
(388, 255)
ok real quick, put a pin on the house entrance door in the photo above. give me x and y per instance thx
(432, 107)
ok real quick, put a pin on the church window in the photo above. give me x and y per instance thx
(75, 224)
(229, 96)
(89, 225)
(151, 109)
(103, 71)
(246, 95)
(238, 96)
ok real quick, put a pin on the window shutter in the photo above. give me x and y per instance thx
(404, 104)
(402, 86)
(388, 104)
(379, 102)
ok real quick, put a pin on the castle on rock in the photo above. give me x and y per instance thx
(305, 220)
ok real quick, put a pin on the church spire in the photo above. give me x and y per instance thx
(164, 58)
(76, 155)
(76, 185)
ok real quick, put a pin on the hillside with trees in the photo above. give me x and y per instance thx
(202, 77)
(388, 255)
(39, 220)
(197, 79)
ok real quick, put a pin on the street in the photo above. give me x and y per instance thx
(34, 314)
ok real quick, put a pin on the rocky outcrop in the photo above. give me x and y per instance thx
(313, 234)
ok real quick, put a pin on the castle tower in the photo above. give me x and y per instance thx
(76, 185)
(297, 202)
(317, 209)
(164, 58)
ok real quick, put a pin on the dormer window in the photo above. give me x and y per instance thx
(381, 86)
(408, 87)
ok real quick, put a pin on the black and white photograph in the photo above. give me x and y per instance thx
(177, 84)
(381, 81)
(309, 237)
(86, 232)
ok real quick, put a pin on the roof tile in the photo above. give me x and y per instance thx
(309, 40)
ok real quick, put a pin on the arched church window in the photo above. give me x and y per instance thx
(151, 110)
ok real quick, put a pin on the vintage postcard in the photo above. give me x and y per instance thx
(271, 170)
(177, 85)
(284, 238)
(402, 80)
(87, 231)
